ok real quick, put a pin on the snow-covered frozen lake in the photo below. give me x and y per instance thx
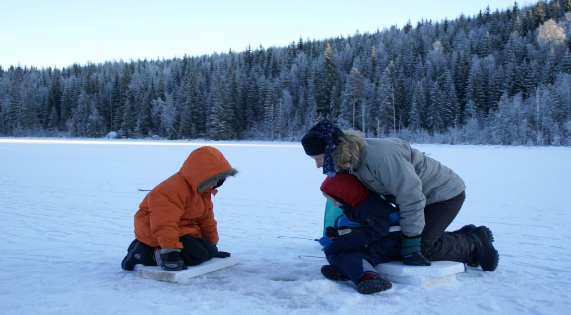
(66, 214)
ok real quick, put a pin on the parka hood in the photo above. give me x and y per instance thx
(345, 187)
(204, 167)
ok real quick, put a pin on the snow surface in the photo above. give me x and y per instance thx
(66, 214)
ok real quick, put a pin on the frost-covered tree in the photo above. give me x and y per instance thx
(353, 95)
(550, 34)
(424, 83)
(325, 81)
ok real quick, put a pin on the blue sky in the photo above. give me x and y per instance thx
(61, 32)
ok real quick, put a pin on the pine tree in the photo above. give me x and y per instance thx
(407, 27)
(236, 117)
(312, 115)
(188, 127)
(335, 102)
(566, 62)
(252, 102)
(474, 90)
(29, 117)
(68, 104)
(449, 104)
(161, 91)
(387, 106)
(517, 27)
(471, 124)
(434, 117)
(270, 112)
(461, 72)
(325, 82)
(419, 47)
(55, 95)
(169, 117)
(220, 111)
(539, 13)
(300, 44)
(418, 103)
(500, 122)
(16, 110)
(374, 77)
(81, 121)
(549, 69)
(529, 23)
(145, 119)
(354, 93)
(524, 79)
(199, 98)
(555, 10)
(117, 104)
(497, 86)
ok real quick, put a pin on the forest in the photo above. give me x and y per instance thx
(497, 78)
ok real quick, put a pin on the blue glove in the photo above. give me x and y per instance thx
(410, 252)
(325, 241)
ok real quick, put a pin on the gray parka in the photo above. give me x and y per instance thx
(392, 167)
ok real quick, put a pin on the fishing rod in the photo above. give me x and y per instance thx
(301, 238)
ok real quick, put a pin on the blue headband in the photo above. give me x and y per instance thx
(326, 132)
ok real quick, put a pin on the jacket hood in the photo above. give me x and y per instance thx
(345, 187)
(204, 167)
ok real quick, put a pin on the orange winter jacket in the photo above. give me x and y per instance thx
(175, 207)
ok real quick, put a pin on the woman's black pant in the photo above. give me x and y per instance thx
(440, 245)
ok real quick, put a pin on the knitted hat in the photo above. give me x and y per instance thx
(315, 141)
(323, 138)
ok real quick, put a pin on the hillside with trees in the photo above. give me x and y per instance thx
(501, 77)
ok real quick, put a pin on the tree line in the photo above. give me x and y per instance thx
(501, 77)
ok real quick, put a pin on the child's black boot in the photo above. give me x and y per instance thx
(371, 283)
(333, 273)
(138, 253)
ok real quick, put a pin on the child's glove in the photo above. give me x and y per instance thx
(221, 254)
(325, 241)
(171, 260)
(410, 252)
(331, 231)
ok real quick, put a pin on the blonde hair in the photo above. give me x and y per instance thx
(348, 151)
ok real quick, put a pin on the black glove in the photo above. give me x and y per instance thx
(171, 261)
(410, 252)
(222, 254)
(415, 259)
(331, 231)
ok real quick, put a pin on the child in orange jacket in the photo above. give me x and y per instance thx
(175, 225)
